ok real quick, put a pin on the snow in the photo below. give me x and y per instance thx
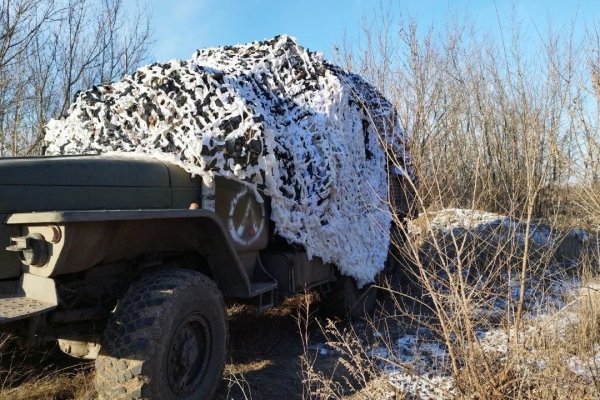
(457, 221)
(418, 366)
(422, 386)
(417, 363)
(452, 218)
(423, 355)
(273, 115)
(586, 367)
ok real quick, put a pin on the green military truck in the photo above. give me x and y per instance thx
(128, 261)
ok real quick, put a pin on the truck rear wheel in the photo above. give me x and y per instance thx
(166, 340)
(346, 300)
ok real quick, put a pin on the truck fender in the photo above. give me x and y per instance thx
(89, 238)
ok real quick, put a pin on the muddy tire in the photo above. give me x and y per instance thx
(166, 340)
(346, 300)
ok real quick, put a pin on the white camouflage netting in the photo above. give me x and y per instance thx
(271, 114)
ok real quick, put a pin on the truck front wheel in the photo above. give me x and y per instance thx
(166, 340)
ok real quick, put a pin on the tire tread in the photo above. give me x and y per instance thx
(132, 334)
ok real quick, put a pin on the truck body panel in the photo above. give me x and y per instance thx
(89, 226)
(90, 238)
(91, 182)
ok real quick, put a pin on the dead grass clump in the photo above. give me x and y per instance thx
(557, 355)
(59, 385)
(352, 371)
(29, 375)
(582, 335)
(377, 389)
(497, 323)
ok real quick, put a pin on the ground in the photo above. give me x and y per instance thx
(401, 352)
(263, 360)
(264, 355)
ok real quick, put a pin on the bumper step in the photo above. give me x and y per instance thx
(18, 307)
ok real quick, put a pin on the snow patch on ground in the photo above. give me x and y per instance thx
(458, 221)
(418, 363)
(453, 218)
(586, 367)
(423, 386)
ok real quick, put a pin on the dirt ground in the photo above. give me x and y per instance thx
(263, 358)
(265, 349)
(264, 353)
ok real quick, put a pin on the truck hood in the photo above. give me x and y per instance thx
(83, 171)
(87, 182)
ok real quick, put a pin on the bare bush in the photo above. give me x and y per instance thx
(49, 50)
(487, 119)
(492, 306)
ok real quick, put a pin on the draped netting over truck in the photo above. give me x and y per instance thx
(294, 127)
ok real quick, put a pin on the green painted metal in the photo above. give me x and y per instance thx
(93, 182)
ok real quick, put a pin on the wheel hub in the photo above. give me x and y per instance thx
(188, 355)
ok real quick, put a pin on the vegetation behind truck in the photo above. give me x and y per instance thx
(128, 261)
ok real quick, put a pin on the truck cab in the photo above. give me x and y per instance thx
(89, 244)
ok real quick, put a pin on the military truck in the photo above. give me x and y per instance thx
(128, 262)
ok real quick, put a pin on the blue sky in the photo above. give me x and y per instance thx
(182, 26)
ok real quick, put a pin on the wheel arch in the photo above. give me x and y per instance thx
(97, 237)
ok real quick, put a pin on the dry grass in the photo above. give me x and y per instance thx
(41, 374)
(58, 385)
(497, 128)
(553, 351)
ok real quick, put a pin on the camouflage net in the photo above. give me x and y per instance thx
(271, 114)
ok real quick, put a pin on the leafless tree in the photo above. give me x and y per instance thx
(49, 50)
(486, 119)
